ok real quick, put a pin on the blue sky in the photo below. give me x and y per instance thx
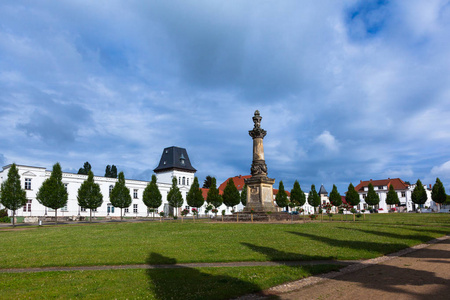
(348, 90)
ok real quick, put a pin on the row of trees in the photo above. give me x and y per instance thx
(110, 171)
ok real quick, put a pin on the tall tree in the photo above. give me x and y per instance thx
(12, 195)
(108, 171)
(113, 171)
(335, 197)
(392, 197)
(352, 196)
(438, 192)
(152, 196)
(281, 197)
(208, 182)
(120, 194)
(213, 197)
(313, 197)
(53, 193)
(231, 195)
(174, 196)
(244, 195)
(372, 197)
(89, 195)
(298, 197)
(419, 195)
(194, 198)
(85, 169)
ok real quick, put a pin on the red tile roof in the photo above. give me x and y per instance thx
(205, 193)
(275, 192)
(396, 182)
(238, 182)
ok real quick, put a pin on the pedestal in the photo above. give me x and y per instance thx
(260, 194)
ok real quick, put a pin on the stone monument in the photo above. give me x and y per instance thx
(259, 186)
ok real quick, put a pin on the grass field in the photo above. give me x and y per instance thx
(176, 242)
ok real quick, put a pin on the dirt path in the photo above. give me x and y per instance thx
(409, 274)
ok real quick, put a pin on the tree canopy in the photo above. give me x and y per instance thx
(85, 169)
(281, 197)
(194, 198)
(174, 196)
(352, 196)
(152, 196)
(335, 197)
(438, 192)
(111, 171)
(244, 195)
(213, 197)
(419, 195)
(313, 197)
(12, 196)
(372, 197)
(89, 194)
(120, 194)
(53, 193)
(231, 195)
(207, 182)
(298, 197)
(392, 197)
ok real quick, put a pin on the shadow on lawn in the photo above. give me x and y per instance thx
(190, 283)
(417, 237)
(280, 256)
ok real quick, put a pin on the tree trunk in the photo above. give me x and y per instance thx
(121, 214)
(56, 216)
(237, 217)
(90, 215)
(13, 219)
(252, 217)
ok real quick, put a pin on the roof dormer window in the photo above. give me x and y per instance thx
(182, 159)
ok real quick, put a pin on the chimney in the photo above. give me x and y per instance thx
(370, 179)
(360, 181)
(430, 186)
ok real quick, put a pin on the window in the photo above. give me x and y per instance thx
(83, 209)
(27, 206)
(135, 193)
(126, 209)
(179, 180)
(65, 186)
(184, 180)
(135, 208)
(403, 194)
(380, 187)
(110, 208)
(187, 181)
(364, 196)
(110, 189)
(187, 207)
(64, 208)
(28, 183)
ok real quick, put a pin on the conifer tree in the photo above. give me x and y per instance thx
(89, 195)
(152, 196)
(419, 195)
(392, 197)
(12, 196)
(213, 197)
(352, 196)
(372, 197)
(335, 197)
(52, 192)
(85, 169)
(120, 194)
(113, 171)
(231, 195)
(281, 197)
(438, 192)
(194, 198)
(207, 182)
(313, 197)
(108, 171)
(244, 195)
(298, 197)
(174, 196)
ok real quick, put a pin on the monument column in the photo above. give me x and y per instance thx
(259, 186)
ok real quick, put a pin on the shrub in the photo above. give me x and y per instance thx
(5, 219)
(3, 213)
(175, 217)
(161, 213)
(313, 217)
(353, 211)
(358, 215)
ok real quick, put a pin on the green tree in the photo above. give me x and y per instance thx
(113, 171)
(372, 197)
(207, 182)
(352, 196)
(335, 197)
(85, 169)
(281, 197)
(152, 196)
(313, 197)
(298, 197)
(213, 197)
(419, 195)
(120, 194)
(53, 193)
(244, 195)
(438, 192)
(194, 198)
(174, 196)
(89, 195)
(12, 195)
(108, 171)
(392, 197)
(231, 195)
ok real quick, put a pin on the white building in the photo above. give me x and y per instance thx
(174, 163)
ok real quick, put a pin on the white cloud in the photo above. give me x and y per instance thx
(327, 140)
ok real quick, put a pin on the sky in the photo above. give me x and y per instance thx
(348, 90)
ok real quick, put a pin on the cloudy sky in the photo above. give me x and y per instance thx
(348, 90)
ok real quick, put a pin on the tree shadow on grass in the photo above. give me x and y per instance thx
(191, 283)
(418, 237)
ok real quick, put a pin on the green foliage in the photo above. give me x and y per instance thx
(313, 197)
(352, 196)
(111, 171)
(85, 169)
(174, 196)
(419, 195)
(3, 213)
(208, 182)
(372, 197)
(438, 192)
(244, 195)
(281, 197)
(89, 194)
(213, 195)
(152, 196)
(12, 195)
(392, 197)
(231, 195)
(298, 197)
(120, 194)
(5, 219)
(335, 197)
(194, 198)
